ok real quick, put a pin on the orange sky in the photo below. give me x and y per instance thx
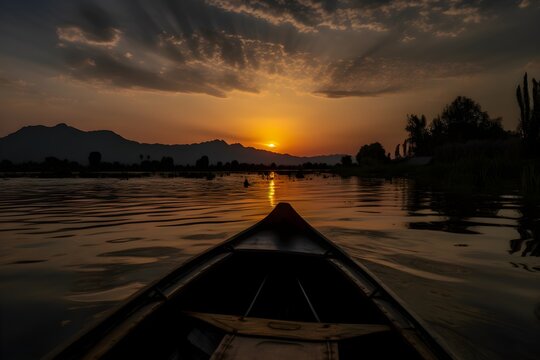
(326, 80)
(298, 123)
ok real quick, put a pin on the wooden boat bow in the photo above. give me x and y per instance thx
(279, 289)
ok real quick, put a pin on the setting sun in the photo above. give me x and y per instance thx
(408, 132)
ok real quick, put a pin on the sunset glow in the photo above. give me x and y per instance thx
(407, 131)
(190, 71)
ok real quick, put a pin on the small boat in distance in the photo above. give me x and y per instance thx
(278, 290)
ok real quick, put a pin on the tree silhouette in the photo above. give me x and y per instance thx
(397, 154)
(464, 120)
(529, 124)
(94, 158)
(167, 163)
(203, 162)
(346, 160)
(418, 134)
(372, 153)
(405, 149)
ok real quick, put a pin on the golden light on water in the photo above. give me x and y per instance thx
(272, 190)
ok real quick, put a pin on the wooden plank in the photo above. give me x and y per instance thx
(241, 347)
(287, 329)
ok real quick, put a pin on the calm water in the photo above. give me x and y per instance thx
(73, 248)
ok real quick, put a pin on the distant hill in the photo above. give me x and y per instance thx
(35, 143)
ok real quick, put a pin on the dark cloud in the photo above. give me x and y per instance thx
(373, 76)
(333, 48)
(102, 68)
(335, 94)
(97, 23)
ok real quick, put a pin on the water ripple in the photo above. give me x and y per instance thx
(70, 249)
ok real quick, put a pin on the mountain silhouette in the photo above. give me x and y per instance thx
(35, 143)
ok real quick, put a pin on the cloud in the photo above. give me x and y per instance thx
(524, 4)
(336, 93)
(304, 15)
(96, 23)
(92, 25)
(102, 68)
(466, 13)
(371, 76)
(333, 48)
(78, 35)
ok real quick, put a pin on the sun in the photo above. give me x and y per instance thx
(271, 145)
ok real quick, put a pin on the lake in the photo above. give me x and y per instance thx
(70, 249)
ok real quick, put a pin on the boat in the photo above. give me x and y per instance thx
(278, 290)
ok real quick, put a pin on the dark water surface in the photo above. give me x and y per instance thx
(72, 248)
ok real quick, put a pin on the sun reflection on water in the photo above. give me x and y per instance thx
(272, 190)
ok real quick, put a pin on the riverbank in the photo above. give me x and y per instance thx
(463, 175)
(194, 174)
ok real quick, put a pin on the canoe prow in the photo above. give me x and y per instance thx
(285, 231)
(279, 284)
(284, 215)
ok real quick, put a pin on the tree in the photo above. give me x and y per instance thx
(372, 153)
(346, 160)
(203, 162)
(529, 123)
(418, 134)
(94, 158)
(405, 149)
(167, 163)
(397, 154)
(464, 120)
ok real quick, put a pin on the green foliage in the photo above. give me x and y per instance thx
(372, 153)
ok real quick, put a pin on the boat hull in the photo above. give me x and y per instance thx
(279, 289)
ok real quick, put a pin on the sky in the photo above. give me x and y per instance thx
(308, 76)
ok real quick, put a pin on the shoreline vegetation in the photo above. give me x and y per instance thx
(462, 148)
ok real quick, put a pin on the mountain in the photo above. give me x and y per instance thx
(35, 143)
